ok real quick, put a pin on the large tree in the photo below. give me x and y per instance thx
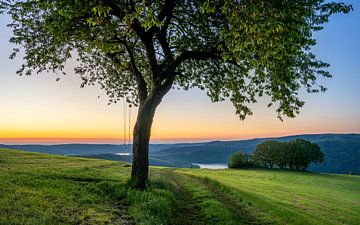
(139, 49)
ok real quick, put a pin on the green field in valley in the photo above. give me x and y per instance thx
(48, 189)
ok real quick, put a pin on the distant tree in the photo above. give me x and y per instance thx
(291, 155)
(140, 49)
(297, 154)
(240, 160)
(267, 153)
(280, 154)
(303, 153)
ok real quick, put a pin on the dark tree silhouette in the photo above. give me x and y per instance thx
(140, 49)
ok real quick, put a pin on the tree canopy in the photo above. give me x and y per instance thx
(267, 153)
(233, 49)
(240, 160)
(297, 154)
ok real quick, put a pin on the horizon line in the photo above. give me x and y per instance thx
(119, 141)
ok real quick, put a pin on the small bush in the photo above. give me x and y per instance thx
(240, 160)
(351, 172)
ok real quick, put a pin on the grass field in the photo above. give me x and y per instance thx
(289, 197)
(47, 189)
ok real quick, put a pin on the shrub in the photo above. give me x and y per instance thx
(240, 160)
(351, 172)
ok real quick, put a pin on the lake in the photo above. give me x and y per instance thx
(215, 166)
(122, 153)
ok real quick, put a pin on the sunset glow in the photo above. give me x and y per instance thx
(37, 109)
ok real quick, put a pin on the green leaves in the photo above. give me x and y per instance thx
(237, 50)
(240, 160)
(295, 154)
(144, 14)
(99, 14)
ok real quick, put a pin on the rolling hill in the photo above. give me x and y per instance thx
(48, 189)
(342, 151)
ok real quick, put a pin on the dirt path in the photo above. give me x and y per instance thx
(187, 211)
(238, 209)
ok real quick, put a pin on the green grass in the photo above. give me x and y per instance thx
(212, 210)
(48, 189)
(43, 189)
(288, 197)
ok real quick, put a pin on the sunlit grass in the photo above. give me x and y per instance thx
(48, 189)
(43, 189)
(288, 197)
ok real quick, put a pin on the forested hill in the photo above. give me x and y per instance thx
(342, 151)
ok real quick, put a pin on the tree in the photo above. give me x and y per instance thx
(280, 154)
(267, 153)
(240, 160)
(303, 153)
(139, 50)
(296, 154)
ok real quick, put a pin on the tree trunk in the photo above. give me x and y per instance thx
(141, 137)
(271, 164)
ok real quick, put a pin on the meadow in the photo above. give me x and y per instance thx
(288, 197)
(47, 189)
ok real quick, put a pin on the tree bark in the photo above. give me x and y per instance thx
(141, 136)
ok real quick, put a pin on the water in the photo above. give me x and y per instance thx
(122, 153)
(215, 166)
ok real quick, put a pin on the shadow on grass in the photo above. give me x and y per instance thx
(154, 205)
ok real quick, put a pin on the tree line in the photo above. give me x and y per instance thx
(297, 154)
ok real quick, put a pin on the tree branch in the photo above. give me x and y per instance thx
(142, 86)
(115, 9)
(168, 76)
(198, 55)
(161, 33)
(147, 39)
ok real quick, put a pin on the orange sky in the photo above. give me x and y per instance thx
(46, 111)
(181, 117)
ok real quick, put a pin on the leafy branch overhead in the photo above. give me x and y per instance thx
(233, 49)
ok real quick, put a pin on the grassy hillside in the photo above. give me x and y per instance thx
(289, 197)
(47, 189)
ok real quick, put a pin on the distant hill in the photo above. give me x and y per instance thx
(81, 149)
(342, 151)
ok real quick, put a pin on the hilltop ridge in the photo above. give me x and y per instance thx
(342, 151)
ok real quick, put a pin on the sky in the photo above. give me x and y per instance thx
(39, 109)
